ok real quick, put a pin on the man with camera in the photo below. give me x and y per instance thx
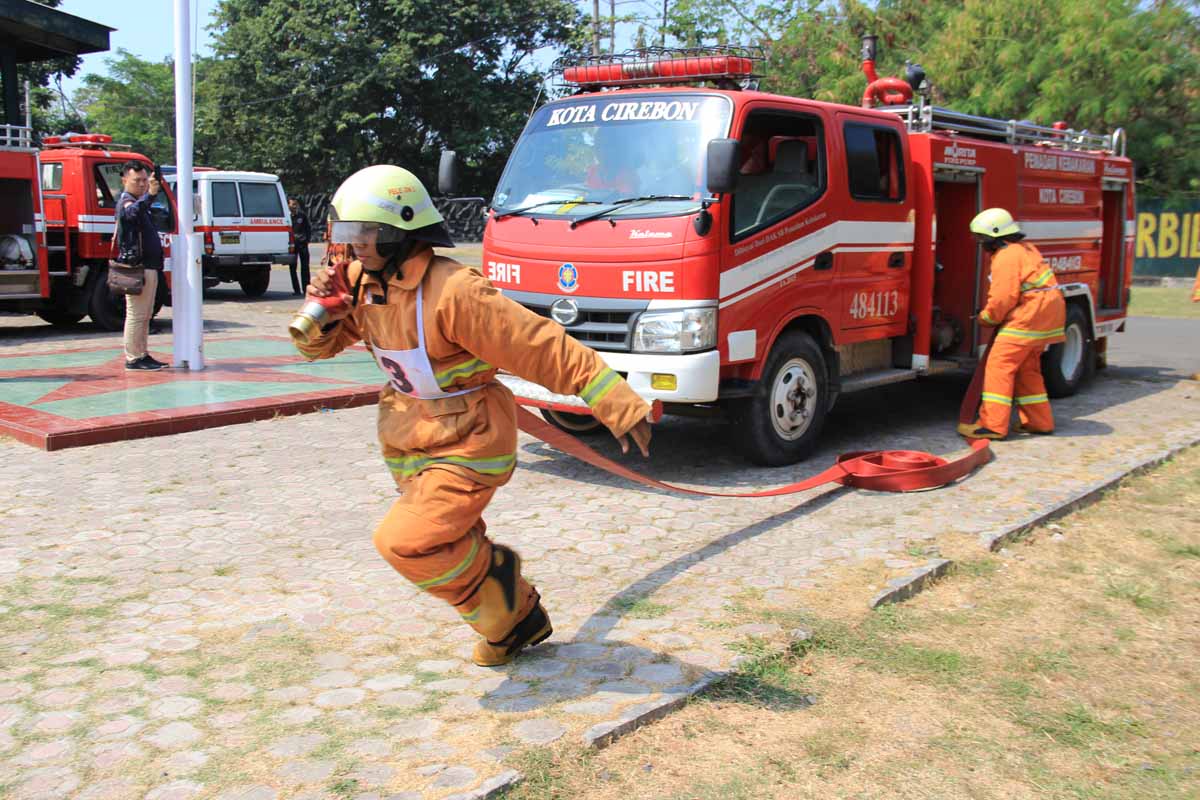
(139, 244)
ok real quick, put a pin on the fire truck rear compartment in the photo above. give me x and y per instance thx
(958, 265)
(17, 279)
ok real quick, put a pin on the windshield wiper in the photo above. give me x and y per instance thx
(513, 211)
(625, 201)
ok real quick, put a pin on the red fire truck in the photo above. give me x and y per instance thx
(729, 250)
(54, 250)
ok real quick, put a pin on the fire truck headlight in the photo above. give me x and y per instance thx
(683, 330)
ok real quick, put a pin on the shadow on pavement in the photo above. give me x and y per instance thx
(620, 660)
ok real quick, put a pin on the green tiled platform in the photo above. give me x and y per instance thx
(79, 397)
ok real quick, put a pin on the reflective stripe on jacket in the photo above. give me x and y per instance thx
(1023, 298)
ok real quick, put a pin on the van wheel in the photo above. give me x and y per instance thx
(1068, 365)
(106, 309)
(782, 422)
(577, 424)
(256, 285)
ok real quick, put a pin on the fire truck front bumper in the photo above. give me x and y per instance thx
(682, 379)
(690, 378)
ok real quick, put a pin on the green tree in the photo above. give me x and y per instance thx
(1097, 65)
(316, 89)
(134, 103)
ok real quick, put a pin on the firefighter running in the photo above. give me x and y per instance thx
(440, 331)
(1028, 312)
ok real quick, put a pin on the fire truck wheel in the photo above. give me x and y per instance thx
(782, 422)
(59, 318)
(106, 309)
(1068, 365)
(256, 285)
(577, 424)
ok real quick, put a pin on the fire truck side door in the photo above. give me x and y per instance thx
(777, 254)
(874, 254)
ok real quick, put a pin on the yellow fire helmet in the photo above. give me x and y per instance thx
(994, 222)
(392, 202)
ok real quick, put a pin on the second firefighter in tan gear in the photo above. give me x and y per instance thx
(1027, 310)
(440, 332)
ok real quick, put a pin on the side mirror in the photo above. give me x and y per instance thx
(722, 165)
(448, 173)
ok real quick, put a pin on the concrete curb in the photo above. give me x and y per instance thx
(603, 734)
(994, 540)
(492, 787)
(906, 586)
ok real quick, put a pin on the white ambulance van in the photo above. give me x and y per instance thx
(246, 226)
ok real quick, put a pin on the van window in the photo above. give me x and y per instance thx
(260, 200)
(108, 184)
(225, 199)
(874, 162)
(782, 169)
(51, 177)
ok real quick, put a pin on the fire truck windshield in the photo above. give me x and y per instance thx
(577, 154)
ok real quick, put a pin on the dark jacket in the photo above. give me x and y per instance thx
(137, 229)
(301, 228)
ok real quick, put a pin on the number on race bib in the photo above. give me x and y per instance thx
(396, 376)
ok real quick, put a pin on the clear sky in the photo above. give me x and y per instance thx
(145, 28)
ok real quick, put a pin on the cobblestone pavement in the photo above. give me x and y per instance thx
(204, 615)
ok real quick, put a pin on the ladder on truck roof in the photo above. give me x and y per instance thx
(923, 118)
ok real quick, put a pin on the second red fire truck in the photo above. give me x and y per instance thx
(760, 255)
(56, 232)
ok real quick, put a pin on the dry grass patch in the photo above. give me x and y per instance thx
(1068, 667)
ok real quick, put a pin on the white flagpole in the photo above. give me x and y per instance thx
(187, 288)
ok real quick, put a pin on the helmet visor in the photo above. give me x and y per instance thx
(364, 233)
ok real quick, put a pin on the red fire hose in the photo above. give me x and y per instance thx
(881, 471)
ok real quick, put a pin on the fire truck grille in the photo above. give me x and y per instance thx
(602, 330)
(602, 323)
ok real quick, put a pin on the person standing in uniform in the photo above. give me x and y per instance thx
(1028, 311)
(440, 331)
(301, 235)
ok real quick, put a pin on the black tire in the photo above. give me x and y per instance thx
(255, 285)
(782, 422)
(1066, 366)
(106, 309)
(60, 318)
(576, 424)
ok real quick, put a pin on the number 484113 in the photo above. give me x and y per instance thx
(864, 305)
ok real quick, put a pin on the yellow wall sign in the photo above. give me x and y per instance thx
(1167, 239)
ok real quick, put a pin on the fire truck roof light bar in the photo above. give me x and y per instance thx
(730, 66)
(921, 118)
(87, 141)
